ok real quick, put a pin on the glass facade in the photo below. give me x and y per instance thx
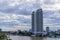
(37, 21)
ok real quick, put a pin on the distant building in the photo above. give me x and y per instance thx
(58, 31)
(30, 30)
(19, 31)
(37, 22)
(0, 30)
(47, 29)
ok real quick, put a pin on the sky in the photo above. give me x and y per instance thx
(16, 14)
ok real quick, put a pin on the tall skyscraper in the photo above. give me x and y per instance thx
(37, 22)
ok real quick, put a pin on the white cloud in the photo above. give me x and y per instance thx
(10, 7)
(50, 6)
(14, 2)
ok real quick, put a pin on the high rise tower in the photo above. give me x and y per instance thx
(37, 22)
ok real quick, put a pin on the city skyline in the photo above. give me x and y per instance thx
(16, 14)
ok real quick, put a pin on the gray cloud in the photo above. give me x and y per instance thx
(8, 24)
(49, 2)
(25, 8)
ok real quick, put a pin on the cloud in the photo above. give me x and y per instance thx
(18, 6)
(51, 19)
(15, 20)
(49, 2)
(17, 13)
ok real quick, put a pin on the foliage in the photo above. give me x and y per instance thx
(3, 36)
